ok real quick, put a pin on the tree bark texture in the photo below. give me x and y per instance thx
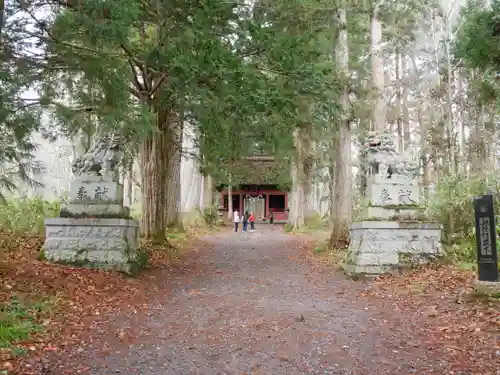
(230, 208)
(160, 176)
(377, 59)
(208, 191)
(342, 193)
(174, 158)
(301, 171)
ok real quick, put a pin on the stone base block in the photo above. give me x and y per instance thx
(379, 246)
(383, 213)
(369, 271)
(91, 242)
(490, 288)
(95, 190)
(98, 210)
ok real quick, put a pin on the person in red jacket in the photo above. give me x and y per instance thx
(251, 219)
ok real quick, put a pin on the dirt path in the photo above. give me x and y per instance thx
(258, 306)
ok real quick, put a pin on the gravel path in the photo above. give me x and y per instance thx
(258, 305)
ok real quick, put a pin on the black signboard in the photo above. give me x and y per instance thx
(487, 256)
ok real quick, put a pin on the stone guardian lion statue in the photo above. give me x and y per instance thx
(101, 159)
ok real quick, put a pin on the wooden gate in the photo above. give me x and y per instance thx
(255, 204)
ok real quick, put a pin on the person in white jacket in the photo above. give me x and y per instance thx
(236, 220)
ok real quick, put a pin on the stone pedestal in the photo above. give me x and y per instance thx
(397, 196)
(393, 234)
(94, 229)
(380, 246)
(96, 243)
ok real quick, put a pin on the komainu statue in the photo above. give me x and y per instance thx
(384, 160)
(101, 159)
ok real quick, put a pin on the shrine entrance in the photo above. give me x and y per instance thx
(264, 200)
(255, 204)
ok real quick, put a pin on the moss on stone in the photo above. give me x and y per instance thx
(398, 206)
(41, 255)
(84, 263)
(137, 264)
(66, 214)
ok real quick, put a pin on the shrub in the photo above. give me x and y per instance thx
(27, 215)
(452, 205)
(211, 214)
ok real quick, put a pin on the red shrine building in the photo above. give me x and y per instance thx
(259, 189)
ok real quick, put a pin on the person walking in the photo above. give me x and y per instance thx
(251, 219)
(271, 217)
(245, 221)
(236, 220)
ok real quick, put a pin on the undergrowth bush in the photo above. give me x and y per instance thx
(211, 215)
(452, 205)
(194, 219)
(27, 215)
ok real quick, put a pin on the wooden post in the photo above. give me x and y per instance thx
(268, 195)
(241, 204)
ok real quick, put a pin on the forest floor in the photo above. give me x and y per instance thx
(254, 303)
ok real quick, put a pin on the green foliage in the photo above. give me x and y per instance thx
(452, 205)
(319, 250)
(17, 323)
(478, 39)
(27, 215)
(477, 44)
(20, 115)
(211, 215)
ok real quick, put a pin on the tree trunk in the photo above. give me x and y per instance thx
(331, 190)
(160, 178)
(377, 59)
(153, 158)
(300, 171)
(173, 217)
(425, 156)
(399, 100)
(130, 186)
(406, 112)
(2, 21)
(478, 143)
(309, 171)
(208, 191)
(463, 117)
(230, 199)
(343, 188)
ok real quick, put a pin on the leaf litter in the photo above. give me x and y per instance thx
(458, 326)
(462, 331)
(75, 300)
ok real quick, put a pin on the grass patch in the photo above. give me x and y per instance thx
(27, 215)
(466, 266)
(18, 322)
(312, 224)
(320, 247)
(316, 222)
